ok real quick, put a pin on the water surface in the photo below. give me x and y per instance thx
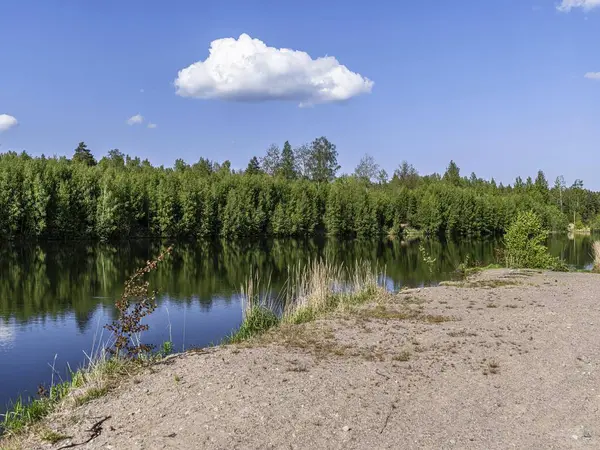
(56, 297)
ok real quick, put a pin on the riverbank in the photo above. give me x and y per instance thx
(508, 358)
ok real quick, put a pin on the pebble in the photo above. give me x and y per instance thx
(346, 428)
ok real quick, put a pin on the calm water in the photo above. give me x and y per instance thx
(56, 297)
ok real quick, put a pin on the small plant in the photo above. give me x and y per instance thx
(493, 367)
(167, 348)
(525, 244)
(463, 267)
(52, 436)
(258, 320)
(402, 356)
(436, 318)
(177, 378)
(91, 394)
(427, 258)
(135, 304)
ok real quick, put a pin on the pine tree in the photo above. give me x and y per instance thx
(287, 167)
(253, 167)
(83, 155)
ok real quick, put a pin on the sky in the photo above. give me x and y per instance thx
(502, 87)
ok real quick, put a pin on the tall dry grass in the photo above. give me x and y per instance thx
(310, 290)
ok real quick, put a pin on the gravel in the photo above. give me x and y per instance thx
(513, 366)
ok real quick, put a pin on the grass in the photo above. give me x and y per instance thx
(435, 318)
(91, 394)
(402, 356)
(86, 384)
(52, 436)
(311, 291)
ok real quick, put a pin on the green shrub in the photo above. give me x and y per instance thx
(525, 244)
(258, 320)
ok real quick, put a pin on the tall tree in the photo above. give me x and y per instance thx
(541, 184)
(367, 168)
(253, 166)
(407, 175)
(272, 160)
(322, 160)
(452, 174)
(518, 183)
(559, 187)
(204, 166)
(382, 176)
(301, 156)
(83, 155)
(287, 166)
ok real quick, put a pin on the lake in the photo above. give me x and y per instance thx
(55, 297)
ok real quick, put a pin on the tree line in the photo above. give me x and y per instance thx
(287, 192)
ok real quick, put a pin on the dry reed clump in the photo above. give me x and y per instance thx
(321, 287)
(596, 255)
(310, 290)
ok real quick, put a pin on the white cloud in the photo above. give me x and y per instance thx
(152, 125)
(135, 120)
(7, 122)
(592, 76)
(246, 69)
(586, 5)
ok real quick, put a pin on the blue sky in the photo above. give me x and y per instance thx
(499, 86)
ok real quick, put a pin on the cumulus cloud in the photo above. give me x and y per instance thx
(135, 120)
(586, 5)
(152, 125)
(593, 76)
(7, 122)
(246, 69)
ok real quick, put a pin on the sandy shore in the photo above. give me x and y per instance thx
(508, 360)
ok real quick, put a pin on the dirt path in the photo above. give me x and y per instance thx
(516, 367)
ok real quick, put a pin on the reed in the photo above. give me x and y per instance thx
(311, 290)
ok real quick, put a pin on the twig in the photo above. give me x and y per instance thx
(382, 374)
(387, 418)
(95, 430)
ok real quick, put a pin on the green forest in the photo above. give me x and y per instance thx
(286, 192)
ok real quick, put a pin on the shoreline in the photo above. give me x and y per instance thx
(505, 358)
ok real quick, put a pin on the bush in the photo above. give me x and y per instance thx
(257, 321)
(525, 244)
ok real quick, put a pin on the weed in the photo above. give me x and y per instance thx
(461, 333)
(96, 377)
(52, 436)
(135, 304)
(427, 258)
(402, 356)
(493, 367)
(258, 320)
(435, 318)
(177, 378)
(91, 394)
(167, 348)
